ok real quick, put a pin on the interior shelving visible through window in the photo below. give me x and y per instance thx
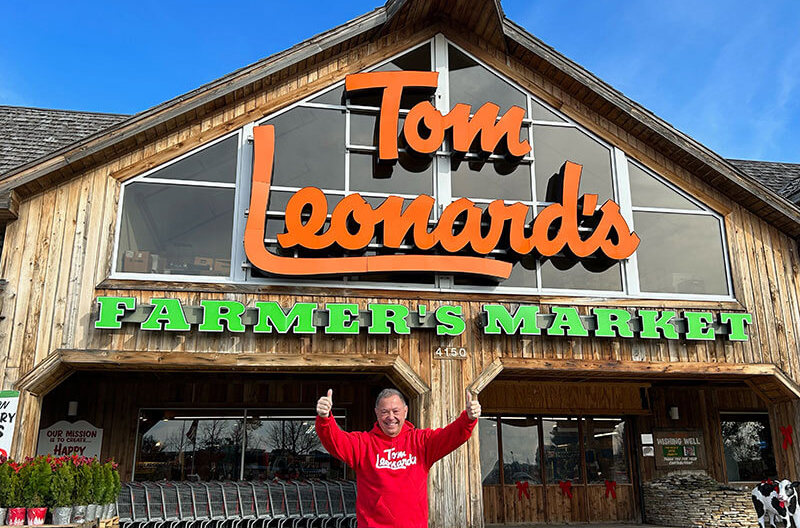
(179, 220)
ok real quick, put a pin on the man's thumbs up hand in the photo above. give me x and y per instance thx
(325, 404)
(473, 407)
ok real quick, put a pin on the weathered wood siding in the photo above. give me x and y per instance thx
(59, 250)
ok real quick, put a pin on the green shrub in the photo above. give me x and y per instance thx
(7, 476)
(35, 478)
(83, 485)
(98, 492)
(62, 485)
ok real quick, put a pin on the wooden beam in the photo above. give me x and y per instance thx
(403, 373)
(486, 376)
(47, 375)
(9, 206)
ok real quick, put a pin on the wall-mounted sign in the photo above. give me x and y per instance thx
(65, 439)
(8, 418)
(679, 449)
(458, 243)
(390, 318)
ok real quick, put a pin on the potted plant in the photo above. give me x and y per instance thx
(83, 489)
(6, 474)
(96, 494)
(35, 475)
(62, 489)
(15, 516)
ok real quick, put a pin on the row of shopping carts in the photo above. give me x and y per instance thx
(244, 504)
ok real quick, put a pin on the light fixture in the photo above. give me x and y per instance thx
(72, 409)
(673, 413)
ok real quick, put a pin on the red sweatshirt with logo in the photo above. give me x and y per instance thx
(392, 473)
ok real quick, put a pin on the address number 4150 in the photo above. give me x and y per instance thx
(450, 353)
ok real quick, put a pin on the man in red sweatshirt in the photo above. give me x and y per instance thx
(392, 460)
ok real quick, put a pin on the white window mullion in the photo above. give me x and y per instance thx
(242, 201)
(443, 184)
(630, 266)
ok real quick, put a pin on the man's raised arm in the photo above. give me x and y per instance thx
(340, 444)
(443, 441)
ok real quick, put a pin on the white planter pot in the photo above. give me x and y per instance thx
(62, 514)
(79, 514)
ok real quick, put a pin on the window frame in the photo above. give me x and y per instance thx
(241, 269)
(722, 415)
(143, 178)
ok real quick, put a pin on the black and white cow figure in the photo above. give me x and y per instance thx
(777, 500)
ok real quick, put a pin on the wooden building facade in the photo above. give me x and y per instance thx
(158, 207)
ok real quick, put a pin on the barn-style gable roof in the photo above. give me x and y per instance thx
(482, 18)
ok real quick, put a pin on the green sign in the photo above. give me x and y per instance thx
(391, 318)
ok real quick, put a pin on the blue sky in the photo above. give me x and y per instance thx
(727, 72)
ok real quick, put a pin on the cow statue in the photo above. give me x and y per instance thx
(777, 500)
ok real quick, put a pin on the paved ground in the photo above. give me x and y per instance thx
(576, 525)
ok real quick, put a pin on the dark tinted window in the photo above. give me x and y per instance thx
(680, 253)
(542, 113)
(332, 97)
(490, 461)
(521, 460)
(175, 229)
(216, 163)
(749, 453)
(418, 59)
(562, 273)
(309, 148)
(562, 449)
(408, 176)
(496, 180)
(553, 146)
(474, 85)
(647, 191)
(606, 452)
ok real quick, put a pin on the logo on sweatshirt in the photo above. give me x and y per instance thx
(394, 459)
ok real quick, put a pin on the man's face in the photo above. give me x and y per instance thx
(391, 413)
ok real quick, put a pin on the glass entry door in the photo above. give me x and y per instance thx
(541, 469)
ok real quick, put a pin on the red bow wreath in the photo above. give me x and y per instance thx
(787, 436)
(611, 487)
(566, 488)
(522, 487)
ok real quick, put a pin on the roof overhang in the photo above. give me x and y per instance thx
(766, 380)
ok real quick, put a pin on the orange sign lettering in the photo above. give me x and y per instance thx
(458, 242)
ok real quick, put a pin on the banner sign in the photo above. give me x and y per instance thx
(9, 400)
(390, 318)
(679, 449)
(458, 243)
(65, 439)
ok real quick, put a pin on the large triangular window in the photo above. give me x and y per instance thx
(329, 141)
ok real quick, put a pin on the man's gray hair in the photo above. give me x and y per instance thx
(388, 393)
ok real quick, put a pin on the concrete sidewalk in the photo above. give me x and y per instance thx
(574, 525)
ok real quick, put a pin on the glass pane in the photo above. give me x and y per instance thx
(410, 175)
(542, 113)
(364, 129)
(748, 447)
(190, 446)
(417, 60)
(216, 163)
(490, 462)
(606, 454)
(680, 253)
(309, 148)
(332, 97)
(175, 229)
(287, 448)
(562, 449)
(495, 180)
(553, 146)
(523, 274)
(474, 85)
(647, 191)
(279, 199)
(588, 274)
(521, 460)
